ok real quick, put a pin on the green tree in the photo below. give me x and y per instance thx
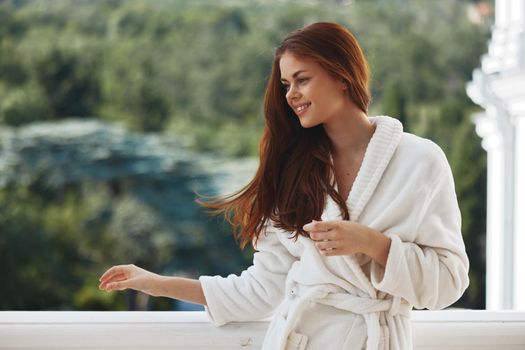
(70, 83)
(393, 103)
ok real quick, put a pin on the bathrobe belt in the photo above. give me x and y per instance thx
(300, 296)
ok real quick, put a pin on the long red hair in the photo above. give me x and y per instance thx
(295, 169)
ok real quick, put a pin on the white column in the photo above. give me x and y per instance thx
(502, 13)
(519, 226)
(509, 207)
(517, 11)
(486, 128)
(498, 141)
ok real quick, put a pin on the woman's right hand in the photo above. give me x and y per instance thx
(122, 277)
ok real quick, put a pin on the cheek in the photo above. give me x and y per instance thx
(333, 100)
(320, 91)
(326, 102)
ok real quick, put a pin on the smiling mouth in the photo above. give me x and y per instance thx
(302, 109)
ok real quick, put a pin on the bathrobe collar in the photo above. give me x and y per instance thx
(378, 154)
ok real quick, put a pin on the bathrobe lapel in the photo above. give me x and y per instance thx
(377, 157)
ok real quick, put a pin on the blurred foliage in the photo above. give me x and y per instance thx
(197, 70)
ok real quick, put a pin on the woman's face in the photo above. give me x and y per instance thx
(313, 94)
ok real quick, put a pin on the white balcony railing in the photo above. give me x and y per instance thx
(443, 330)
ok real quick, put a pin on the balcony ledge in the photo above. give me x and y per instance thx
(445, 329)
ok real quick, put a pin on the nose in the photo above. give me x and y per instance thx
(292, 93)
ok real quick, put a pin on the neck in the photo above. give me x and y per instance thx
(349, 133)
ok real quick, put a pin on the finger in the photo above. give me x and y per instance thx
(114, 278)
(330, 252)
(326, 245)
(108, 272)
(320, 226)
(323, 235)
(120, 285)
(112, 271)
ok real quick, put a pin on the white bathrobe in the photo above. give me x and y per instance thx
(403, 189)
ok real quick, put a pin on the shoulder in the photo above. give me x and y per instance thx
(418, 153)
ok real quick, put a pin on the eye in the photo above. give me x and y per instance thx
(286, 87)
(302, 80)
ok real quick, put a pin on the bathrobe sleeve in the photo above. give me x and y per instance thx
(430, 271)
(257, 291)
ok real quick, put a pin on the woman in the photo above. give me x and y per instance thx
(354, 221)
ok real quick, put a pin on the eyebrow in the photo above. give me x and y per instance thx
(294, 75)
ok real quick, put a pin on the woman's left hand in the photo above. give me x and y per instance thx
(342, 237)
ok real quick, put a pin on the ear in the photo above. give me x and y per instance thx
(343, 84)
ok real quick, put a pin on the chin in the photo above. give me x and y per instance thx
(306, 124)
